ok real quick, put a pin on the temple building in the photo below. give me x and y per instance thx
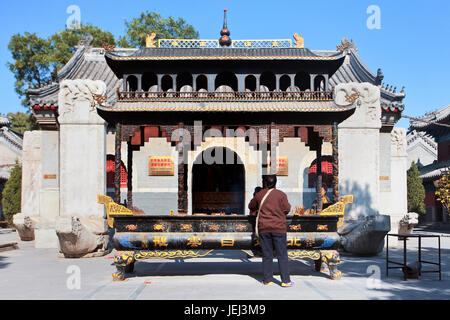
(142, 126)
(437, 126)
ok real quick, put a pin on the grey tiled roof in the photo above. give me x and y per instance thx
(435, 116)
(354, 70)
(434, 170)
(215, 106)
(90, 63)
(87, 63)
(221, 53)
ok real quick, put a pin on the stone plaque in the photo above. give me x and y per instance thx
(161, 166)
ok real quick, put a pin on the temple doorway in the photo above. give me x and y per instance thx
(218, 187)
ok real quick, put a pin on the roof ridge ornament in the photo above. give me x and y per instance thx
(299, 41)
(345, 45)
(150, 40)
(225, 40)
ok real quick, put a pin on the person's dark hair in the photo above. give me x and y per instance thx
(270, 181)
(257, 189)
(324, 186)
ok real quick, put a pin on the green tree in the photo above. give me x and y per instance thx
(35, 57)
(12, 194)
(21, 122)
(165, 28)
(443, 190)
(416, 191)
(62, 43)
(31, 65)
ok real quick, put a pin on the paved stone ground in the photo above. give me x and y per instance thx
(30, 273)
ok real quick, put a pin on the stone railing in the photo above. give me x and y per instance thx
(143, 96)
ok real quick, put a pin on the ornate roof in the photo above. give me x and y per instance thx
(426, 122)
(91, 63)
(263, 106)
(222, 54)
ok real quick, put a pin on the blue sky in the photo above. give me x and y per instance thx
(412, 47)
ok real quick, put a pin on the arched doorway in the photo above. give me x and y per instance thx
(218, 186)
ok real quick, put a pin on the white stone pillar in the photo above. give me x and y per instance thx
(359, 137)
(49, 192)
(82, 228)
(399, 167)
(26, 220)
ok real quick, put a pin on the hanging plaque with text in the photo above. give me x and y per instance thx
(161, 166)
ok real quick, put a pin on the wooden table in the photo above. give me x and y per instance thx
(405, 237)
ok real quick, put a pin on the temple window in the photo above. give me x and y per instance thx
(268, 81)
(167, 83)
(302, 81)
(110, 172)
(132, 83)
(285, 83)
(202, 83)
(327, 172)
(184, 82)
(150, 82)
(319, 83)
(226, 82)
(250, 83)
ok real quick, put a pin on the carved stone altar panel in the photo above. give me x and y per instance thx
(398, 140)
(366, 99)
(78, 100)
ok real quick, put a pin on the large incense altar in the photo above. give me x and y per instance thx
(139, 237)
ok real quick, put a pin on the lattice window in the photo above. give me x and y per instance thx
(110, 171)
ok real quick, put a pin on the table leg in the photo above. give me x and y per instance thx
(439, 252)
(404, 257)
(420, 254)
(387, 256)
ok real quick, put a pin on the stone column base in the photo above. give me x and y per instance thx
(83, 237)
(25, 226)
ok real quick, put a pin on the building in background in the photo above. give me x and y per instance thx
(421, 148)
(437, 126)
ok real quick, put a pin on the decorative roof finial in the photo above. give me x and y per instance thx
(225, 40)
(150, 40)
(299, 41)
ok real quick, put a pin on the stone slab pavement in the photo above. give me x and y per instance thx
(29, 273)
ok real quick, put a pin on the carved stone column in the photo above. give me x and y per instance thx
(182, 192)
(319, 178)
(359, 169)
(335, 155)
(118, 163)
(399, 189)
(81, 227)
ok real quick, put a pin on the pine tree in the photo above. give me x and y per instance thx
(12, 194)
(416, 191)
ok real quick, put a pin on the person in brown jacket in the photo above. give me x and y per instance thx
(272, 228)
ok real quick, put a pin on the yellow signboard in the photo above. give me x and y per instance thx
(282, 166)
(161, 166)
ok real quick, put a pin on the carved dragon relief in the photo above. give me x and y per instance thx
(71, 91)
(398, 139)
(361, 95)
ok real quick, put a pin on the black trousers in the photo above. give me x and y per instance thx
(269, 242)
